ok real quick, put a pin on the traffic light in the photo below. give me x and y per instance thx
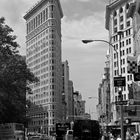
(120, 95)
(128, 121)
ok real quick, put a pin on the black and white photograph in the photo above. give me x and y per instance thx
(69, 69)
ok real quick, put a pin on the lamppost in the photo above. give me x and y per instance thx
(119, 73)
(100, 40)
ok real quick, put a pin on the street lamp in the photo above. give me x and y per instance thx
(101, 40)
(119, 72)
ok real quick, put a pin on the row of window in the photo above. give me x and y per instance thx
(45, 88)
(39, 37)
(37, 47)
(44, 70)
(39, 122)
(38, 101)
(44, 41)
(121, 27)
(121, 9)
(122, 52)
(37, 55)
(40, 18)
(42, 95)
(43, 76)
(124, 34)
(49, 24)
(121, 20)
(123, 70)
(46, 75)
(49, 60)
(44, 101)
(116, 63)
(38, 115)
(45, 82)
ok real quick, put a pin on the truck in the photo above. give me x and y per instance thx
(86, 130)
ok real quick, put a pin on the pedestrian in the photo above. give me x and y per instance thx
(128, 137)
(112, 137)
(118, 137)
(137, 137)
(132, 136)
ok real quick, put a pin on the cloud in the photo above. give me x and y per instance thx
(77, 9)
(82, 58)
(86, 61)
(13, 12)
(83, 19)
(86, 28)
(83, 0)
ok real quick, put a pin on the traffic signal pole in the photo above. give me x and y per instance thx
(121, 98)
(122, 128)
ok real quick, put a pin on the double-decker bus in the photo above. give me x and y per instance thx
(11, 131)
(86, 130)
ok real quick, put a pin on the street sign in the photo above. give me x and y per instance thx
(119, 81)
(121, 102)
(136, 76)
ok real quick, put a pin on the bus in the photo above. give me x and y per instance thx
(86, 130)
(12, 131)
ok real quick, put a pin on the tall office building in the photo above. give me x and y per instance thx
(67, 92)
(117, 19)
(70, 100)
(134, 12)
(43, 56)
(65, 77)
(79, 106)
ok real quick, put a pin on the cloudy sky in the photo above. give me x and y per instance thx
(83, 19)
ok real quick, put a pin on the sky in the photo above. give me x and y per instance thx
(83, 19)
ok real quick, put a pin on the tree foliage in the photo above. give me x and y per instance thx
(15, 78)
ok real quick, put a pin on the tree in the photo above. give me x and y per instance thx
(15, 78)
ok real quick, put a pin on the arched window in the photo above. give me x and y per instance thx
(121, 10)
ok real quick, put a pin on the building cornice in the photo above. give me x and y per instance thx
(37, 6)
(110, 8)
